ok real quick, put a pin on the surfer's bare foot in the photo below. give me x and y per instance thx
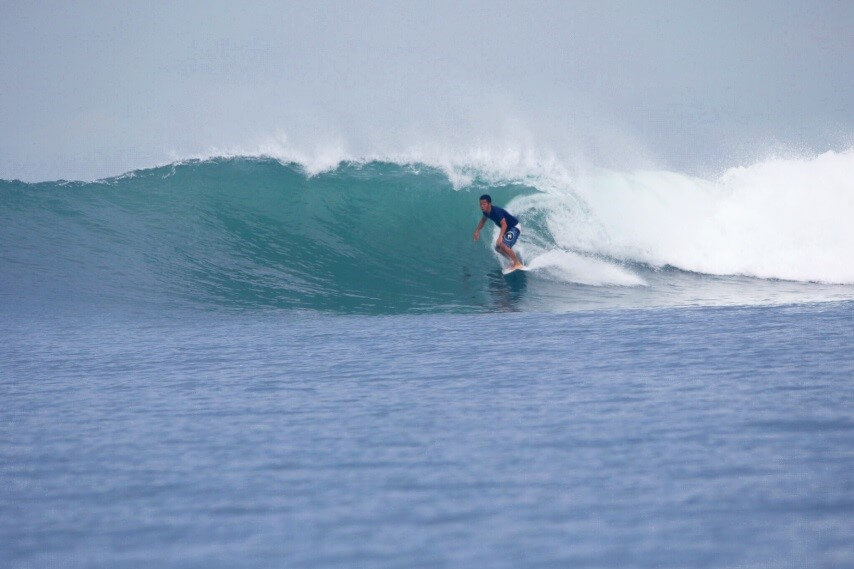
(517, 266)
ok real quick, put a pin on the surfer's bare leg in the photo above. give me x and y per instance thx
(508, 252)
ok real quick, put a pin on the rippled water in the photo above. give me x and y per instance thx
(704, 437)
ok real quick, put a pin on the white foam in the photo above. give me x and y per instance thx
(785, 219)
(566, 266)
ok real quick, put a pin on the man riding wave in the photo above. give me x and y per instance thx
(508, 234)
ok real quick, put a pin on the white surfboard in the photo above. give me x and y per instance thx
(510, 270)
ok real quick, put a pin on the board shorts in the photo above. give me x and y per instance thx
(511, 236)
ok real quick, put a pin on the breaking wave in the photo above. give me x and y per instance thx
(382, 236)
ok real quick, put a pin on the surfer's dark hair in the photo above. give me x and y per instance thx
(486, 197)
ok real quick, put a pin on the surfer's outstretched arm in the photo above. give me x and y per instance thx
(478, 228)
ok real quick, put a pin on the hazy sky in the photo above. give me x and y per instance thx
(89, 89)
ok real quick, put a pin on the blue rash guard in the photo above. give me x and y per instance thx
(497, 214)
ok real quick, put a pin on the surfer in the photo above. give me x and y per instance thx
(509, 229)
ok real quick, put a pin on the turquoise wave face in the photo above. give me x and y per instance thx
(363, 238)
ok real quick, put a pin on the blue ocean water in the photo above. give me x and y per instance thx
(233, 363)
(703, 437)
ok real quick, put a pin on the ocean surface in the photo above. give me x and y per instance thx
(244, 362)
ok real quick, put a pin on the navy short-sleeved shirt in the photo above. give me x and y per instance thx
(497, 214)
